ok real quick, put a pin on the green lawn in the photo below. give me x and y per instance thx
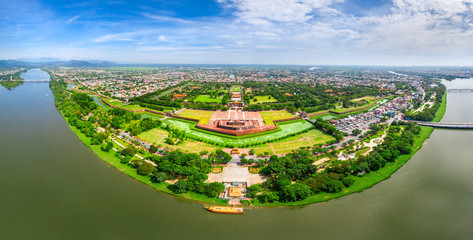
(216, 139)
(208, 99)
(367, 98)
(342, 109)
(270, 116)
(441, 111)
(263, 99)
(236, 88)
(308, 139)
(117, 103)
(155, 136)
(131, 107)
(150, 115)
(202, 115)
(262, 149)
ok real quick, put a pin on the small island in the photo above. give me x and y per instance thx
(11, 79)
(262, 137)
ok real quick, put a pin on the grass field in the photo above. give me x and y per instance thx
(117, 103)
(208, 99)
(263, 99)
(202, 115)
(441, 111)
(367, 98)
(342, 109)
(236, 88)
(286, 129)
(151, 115)
(156, 136)
(307, 139)
(270, 116)
(130, 107)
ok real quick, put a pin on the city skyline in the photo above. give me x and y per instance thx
(309, 32)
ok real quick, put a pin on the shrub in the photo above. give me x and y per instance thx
(180, 186)
(347, 182)
(159, 177)
(267, 197)
(145, 169)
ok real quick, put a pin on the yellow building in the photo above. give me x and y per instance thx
(235, 151)
(234, 192)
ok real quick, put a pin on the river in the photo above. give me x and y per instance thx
(53, 187)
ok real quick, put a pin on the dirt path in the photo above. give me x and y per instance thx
(201, 145)
(372, 143)
(320, 162)
(272, 149)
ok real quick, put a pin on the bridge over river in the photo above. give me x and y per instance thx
(446, 125)
(36, 81)
(463, 90)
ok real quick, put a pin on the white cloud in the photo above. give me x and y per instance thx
(263, 12)
(162, 48)
(73, 19)
(126, 36)
(165, 18)
(162, 38)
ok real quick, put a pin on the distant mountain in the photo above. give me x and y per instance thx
(71, 63)
(39, 60)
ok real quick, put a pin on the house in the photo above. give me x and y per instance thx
(176, 96)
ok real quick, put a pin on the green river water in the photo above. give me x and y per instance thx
(53, 187)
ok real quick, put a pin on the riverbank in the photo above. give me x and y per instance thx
(359, 185)
(372, 178)
(112, 160)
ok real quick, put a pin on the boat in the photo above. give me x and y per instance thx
(217, 209)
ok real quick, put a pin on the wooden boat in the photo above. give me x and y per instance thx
(218, 209)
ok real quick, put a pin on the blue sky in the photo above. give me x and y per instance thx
(308, 32)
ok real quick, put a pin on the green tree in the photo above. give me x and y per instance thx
(213, 189)
(180, 186)
(145, 169)
(266, 197)
(159, 177)
(153, 148)
(294, 192)
(129, 151)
